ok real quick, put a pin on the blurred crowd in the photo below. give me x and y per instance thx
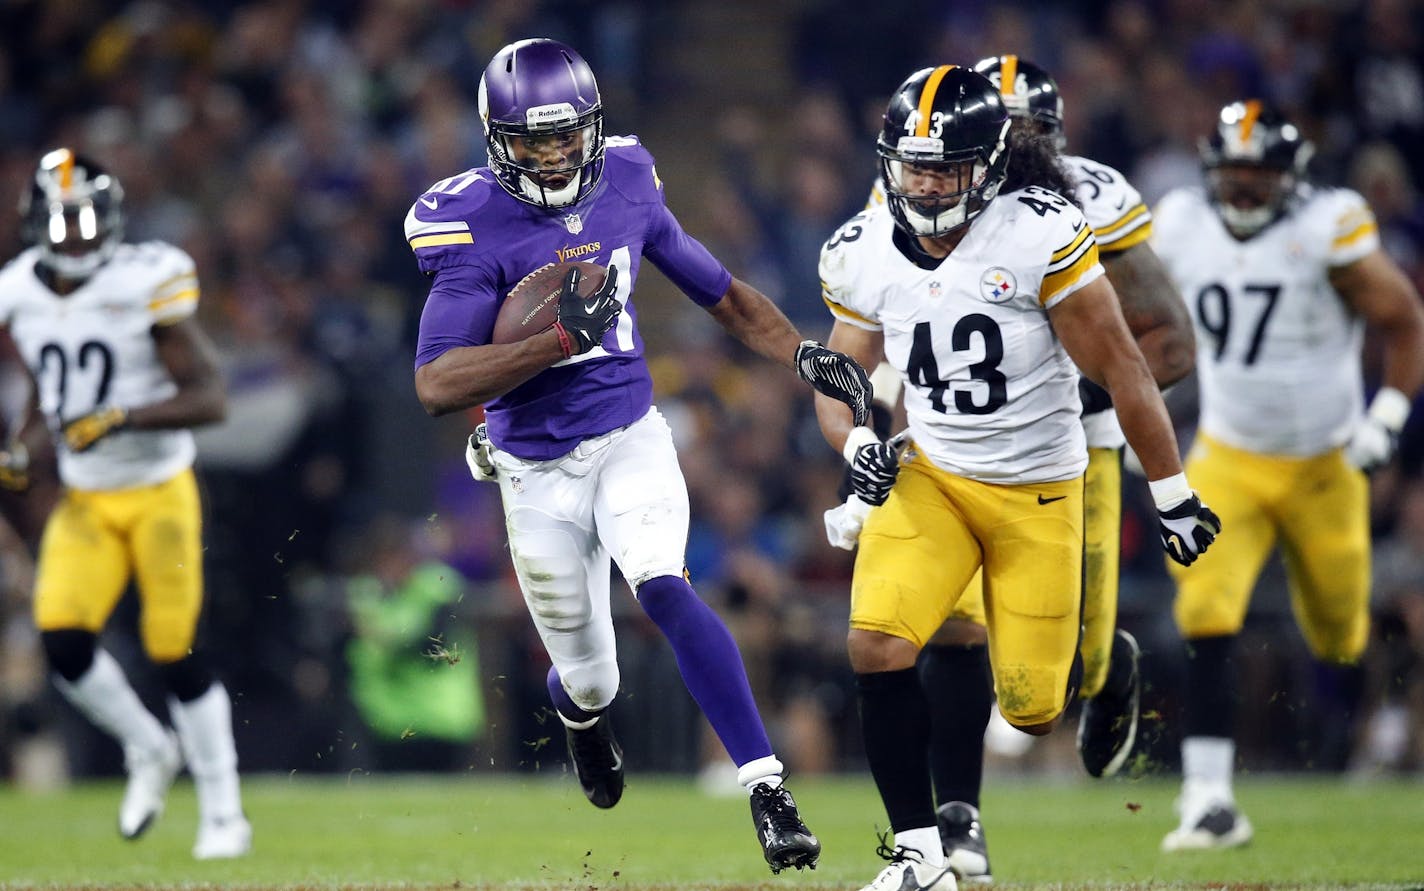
(280, 142)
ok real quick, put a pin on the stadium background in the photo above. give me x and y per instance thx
(281, 142)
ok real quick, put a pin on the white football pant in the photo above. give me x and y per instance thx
(620, 494)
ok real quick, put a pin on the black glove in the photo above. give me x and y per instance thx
(584, 320)
(1095, 399)
(1188, 530)
(835, 375)
(873, 471)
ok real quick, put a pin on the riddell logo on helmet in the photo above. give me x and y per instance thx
(544, 115)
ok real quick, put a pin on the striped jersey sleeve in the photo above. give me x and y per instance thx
(175, 294)
(1354, 232)
(1113, 207)
(1071, 266)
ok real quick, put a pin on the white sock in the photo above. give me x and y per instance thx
(924, 841)
(577, 725)
(760, 770)
(1207, 765)
(205, 729)
(104, 696)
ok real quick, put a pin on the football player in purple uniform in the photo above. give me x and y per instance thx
(585, 463)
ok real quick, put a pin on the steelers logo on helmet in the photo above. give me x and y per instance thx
(543, 122)
(73, 213)
(1254, 161)
(942, 149)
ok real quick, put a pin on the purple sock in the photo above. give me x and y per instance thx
(710, 663)
(562, 702)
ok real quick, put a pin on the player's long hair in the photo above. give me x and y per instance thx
(1033, 161)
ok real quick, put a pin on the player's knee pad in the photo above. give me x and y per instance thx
(1031, 696)
(188, 678)
(591, 685)
(70, 651)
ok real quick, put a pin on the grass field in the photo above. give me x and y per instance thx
(496, 832)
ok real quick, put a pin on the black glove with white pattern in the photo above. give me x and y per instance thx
(835, 375)
(873, 470)
(1188, 530)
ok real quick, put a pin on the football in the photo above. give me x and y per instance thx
(533, 304)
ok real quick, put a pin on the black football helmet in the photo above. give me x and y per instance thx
(1254, 159)
(948, 124)
(1029, 92)
(72, 212)
(540, 88)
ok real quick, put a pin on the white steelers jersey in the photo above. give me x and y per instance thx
(1120, 220)
(94, 347)
(990, 393)
(1278, 350)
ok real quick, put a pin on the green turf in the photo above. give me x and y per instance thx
(496, 832)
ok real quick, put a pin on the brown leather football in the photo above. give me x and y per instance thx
(533, 305)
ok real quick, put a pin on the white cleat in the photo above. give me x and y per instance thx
(223, 839)
(151, 775)
(1220, 826)
(907, 872)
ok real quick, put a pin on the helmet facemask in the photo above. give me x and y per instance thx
(1249, 197)
(72, 213)
(543, 121)
(931, 192)
(517, 154)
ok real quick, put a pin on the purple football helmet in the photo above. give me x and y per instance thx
(543, 121)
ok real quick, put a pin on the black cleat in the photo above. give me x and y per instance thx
(1108, 726)
(785, 840)
(962, 835)
(598, 762)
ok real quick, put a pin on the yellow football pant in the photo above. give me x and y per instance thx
(919, 550)
(1317, 509)
(1102, 539)
(95, 541)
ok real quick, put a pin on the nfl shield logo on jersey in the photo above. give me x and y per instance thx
(997, 285)
(574, 223)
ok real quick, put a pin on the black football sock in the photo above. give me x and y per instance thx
(896, 727)
(959, 689)
(1211, 687)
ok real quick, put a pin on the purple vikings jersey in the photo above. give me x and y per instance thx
(477, 242)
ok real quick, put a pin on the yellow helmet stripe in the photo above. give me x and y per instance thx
(1248, 121)
(927, 97)
(1008, 74)
(66, 169)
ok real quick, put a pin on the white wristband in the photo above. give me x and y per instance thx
(1390, 407)
(858, 437)
(1170, 491)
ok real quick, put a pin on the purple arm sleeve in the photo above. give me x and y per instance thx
(684, 260)
(459, 312)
